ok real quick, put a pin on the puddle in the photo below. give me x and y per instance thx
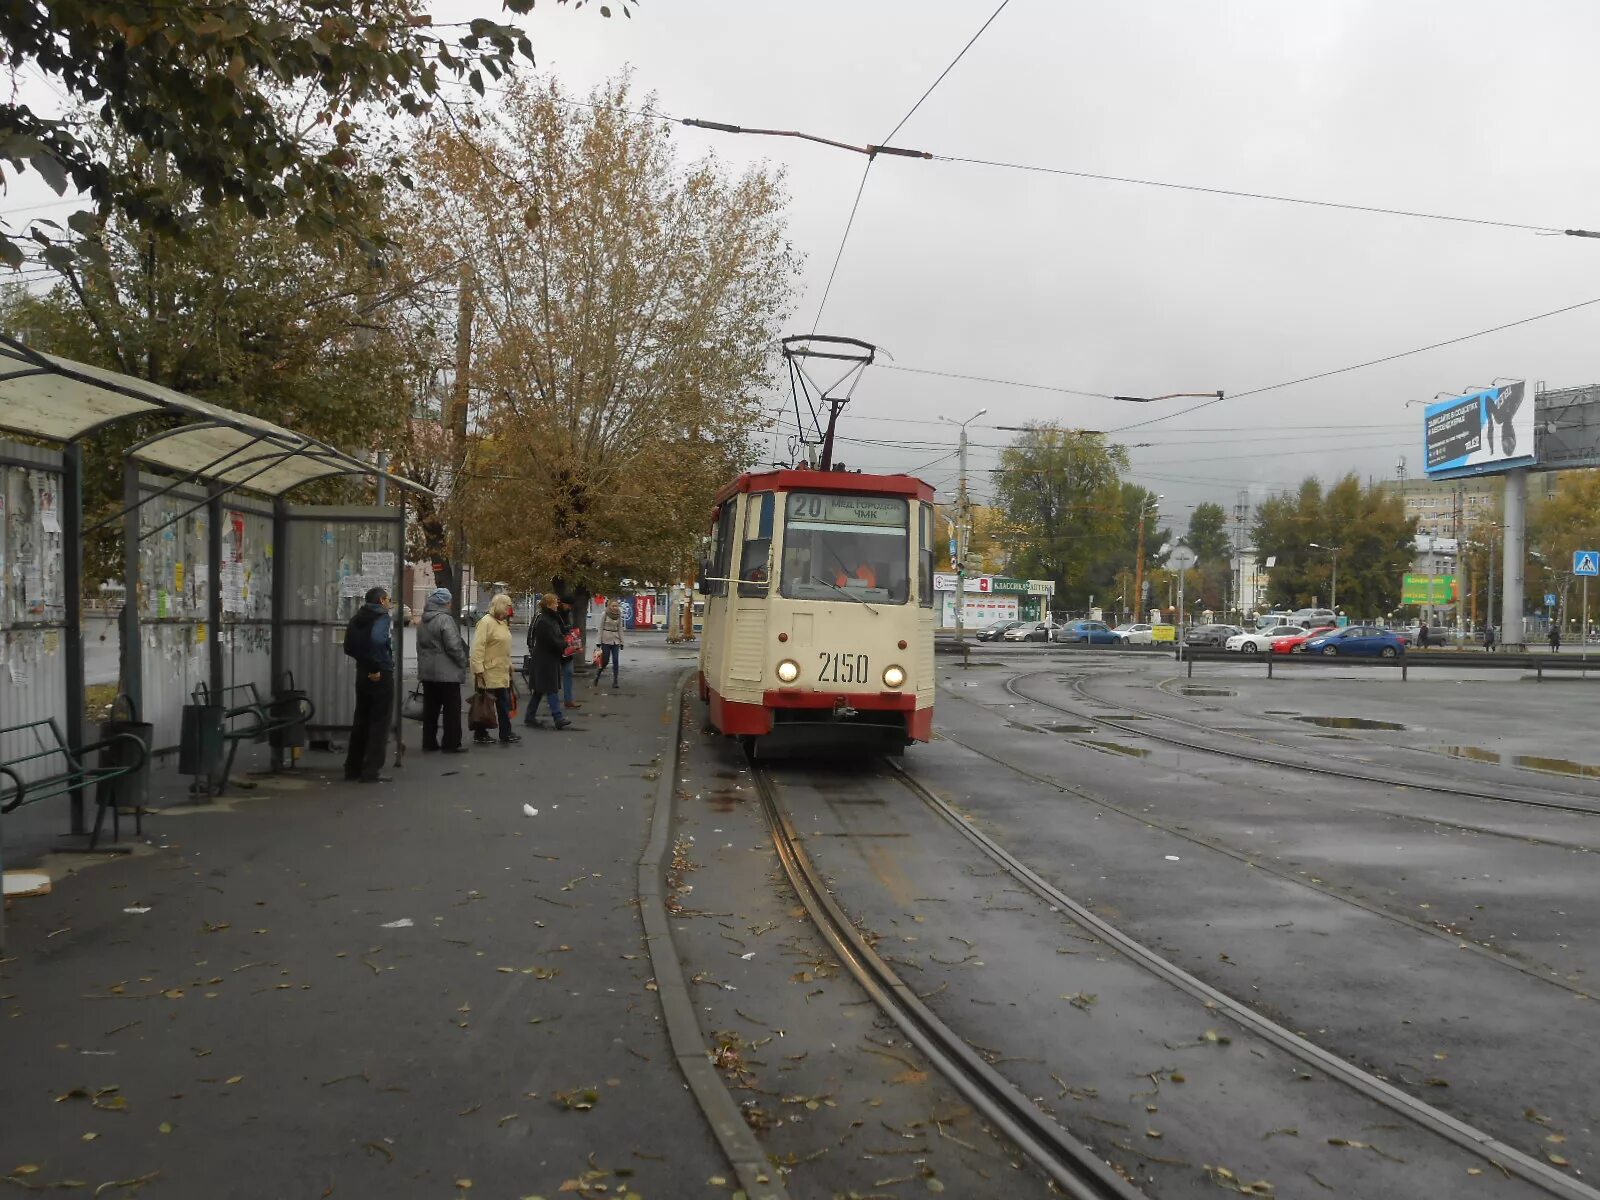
(1124, 717)
(1068, 728)
(1115, 748)
(1531, 762)
(1192, 690)
(1349, 723)
(1024, 728)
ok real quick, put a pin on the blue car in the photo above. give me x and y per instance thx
(1092, 633)
(1358, 640)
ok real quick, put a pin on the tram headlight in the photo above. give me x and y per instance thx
(893, 677)
(788, 671)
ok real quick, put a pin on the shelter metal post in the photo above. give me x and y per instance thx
(398, 624)
(71, 510)
(131, 656)
(280, 586)
(214, 594)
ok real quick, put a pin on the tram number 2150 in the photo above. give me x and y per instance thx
(841, 668)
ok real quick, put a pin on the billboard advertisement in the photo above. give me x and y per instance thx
(1479, 433)
(1428, 589)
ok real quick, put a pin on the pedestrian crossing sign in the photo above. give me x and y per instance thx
(1586, 562)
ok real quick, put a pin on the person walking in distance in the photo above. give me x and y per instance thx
(572, 633)
(366, 639)
(1488, 637)
(491, 663)
(442, 667)
(1422, 636)
(1555, 637)
(547, 645)
(610, 642)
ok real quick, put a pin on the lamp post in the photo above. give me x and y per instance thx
(1152, 504)
(962, 534)
(1333, 598)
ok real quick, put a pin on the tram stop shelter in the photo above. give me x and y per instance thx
(234, 596)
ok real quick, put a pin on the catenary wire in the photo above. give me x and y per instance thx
(1371, 362)
(946, 71)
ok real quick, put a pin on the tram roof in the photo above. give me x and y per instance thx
(793, 480)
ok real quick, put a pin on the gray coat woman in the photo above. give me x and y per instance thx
(442, 667)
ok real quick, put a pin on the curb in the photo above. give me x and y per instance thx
(745, 1155)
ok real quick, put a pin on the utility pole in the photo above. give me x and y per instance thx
(963, 536)
(1138, 566)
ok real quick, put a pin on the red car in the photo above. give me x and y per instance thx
(1296, 645)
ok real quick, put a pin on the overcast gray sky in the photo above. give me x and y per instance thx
(1472, 108)
(1465, 108)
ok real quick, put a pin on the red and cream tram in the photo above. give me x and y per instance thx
(819, 606)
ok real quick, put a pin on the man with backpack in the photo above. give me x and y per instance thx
(366, 639)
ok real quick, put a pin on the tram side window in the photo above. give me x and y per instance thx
(721, 552)
(757, 545)
(925, 557)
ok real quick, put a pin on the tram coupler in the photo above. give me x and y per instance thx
(843, 712)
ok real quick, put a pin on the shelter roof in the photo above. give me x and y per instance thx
(59, 400)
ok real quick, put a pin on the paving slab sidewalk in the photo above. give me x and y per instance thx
(329, 989)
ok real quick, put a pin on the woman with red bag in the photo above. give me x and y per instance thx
(610, 643)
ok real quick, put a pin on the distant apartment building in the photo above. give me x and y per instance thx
(1449, 508)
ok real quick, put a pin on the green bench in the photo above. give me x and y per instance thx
(245, 716)
(69, 771)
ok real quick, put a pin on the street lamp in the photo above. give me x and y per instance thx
(962, 534)
(1333, 599)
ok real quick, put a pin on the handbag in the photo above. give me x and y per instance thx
(511, 689)
(574, 641)
(599, 659)
(411, 710)
(482, 713)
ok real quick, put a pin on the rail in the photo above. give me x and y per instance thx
(1074, 1168)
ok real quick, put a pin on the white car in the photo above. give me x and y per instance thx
(1135, 635)
(1261, 640)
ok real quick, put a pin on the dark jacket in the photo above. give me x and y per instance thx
(367, 641)
(441, 650)
(548, 642)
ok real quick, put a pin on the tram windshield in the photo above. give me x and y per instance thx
(853, 544)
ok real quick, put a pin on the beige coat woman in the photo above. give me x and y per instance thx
(491, 645)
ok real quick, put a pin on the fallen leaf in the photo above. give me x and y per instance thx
(164, 1127)
(234, 1079)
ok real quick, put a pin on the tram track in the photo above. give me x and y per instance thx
(1072, 1166)
(1240, 735)
(1061, 1156)
(1416, 783)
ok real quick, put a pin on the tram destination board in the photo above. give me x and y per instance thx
(824, 508)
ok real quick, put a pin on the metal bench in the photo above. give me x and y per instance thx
(70, 770)
(246, 716)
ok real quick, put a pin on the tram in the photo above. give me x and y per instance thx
(819, 607)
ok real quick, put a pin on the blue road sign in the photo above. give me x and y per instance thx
(1586, 562)
(1549, 599)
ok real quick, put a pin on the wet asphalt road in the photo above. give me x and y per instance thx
(1352, 935)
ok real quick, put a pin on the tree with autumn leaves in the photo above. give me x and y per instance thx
(626, 308)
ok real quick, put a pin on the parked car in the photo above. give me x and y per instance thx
(1091, 633)
(1261, 640)
(1135, 635)
(1210, 635)
(1313, 617)
(1030, 631)
(1268, 620)
(993, 633)
(1297, 644)
(1365, 640)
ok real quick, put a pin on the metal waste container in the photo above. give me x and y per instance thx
(200, 744)
(292, 706)
(132, 789)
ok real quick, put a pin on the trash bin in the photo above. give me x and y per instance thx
(132, 789)
(293, 705)
(200, 741)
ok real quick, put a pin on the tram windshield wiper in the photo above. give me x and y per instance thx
(828, 584)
